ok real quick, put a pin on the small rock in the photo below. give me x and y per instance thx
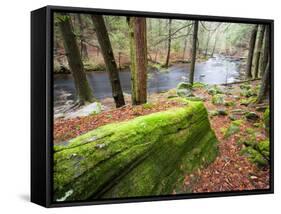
(252, 116)
(222, 112)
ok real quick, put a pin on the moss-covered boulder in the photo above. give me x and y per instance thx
(184, 89)
(146, 156)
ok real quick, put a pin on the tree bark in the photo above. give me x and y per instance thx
(258, 51)
(214, 47)
(83, 90)
(109, 60)
(138, 52)
(207, 45)
(83, 46)
(265, 51)
(169, 44)
(264, 83)
(194, 48)
(251, 52)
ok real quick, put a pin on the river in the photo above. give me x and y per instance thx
(215, 70)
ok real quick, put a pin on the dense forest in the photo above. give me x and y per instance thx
(150, 106)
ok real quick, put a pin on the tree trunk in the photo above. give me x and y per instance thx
(83, 46)
(109, 60)
(83, 89)
(258, 51)
(138, 52)
(264, 83)
(185, 44)
(169, 44)
(265, 51)
(194, 48)
(207, 45)
(214, 47)
(251, 52)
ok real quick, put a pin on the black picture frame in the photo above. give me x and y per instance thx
(42, 104)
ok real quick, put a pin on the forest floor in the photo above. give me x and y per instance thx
(231, 170)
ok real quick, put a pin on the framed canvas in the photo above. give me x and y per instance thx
(132, 106)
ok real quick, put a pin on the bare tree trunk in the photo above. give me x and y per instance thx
(185, 44)
(214, 47)
(194, 48)
(207, 45)
(251, 52)
(109, 60)
(83, 89)
(138, 52)
(264, 83)
(258, 51)
(83, 46)
(265, 51)
(169, 44)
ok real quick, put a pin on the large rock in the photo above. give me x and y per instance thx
(146, 156)
(93, 108)
(184, 89)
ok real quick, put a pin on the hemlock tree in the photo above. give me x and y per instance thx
(251, 52)
(169, 44)
(265, 51)
(138, 53)
(194, 49)
(258, 51)
(109, 60)
(264, 83)
(72, 53)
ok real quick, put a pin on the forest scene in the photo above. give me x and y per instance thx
(156, 106)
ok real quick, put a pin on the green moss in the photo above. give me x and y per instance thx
(229, 103)
(245, 86)
(214, 90)
(218, 99)
(147, 105)
(199, 85)
(263, 147)
(145, 156)
(266, 119)
(254, 156)
(233, 128)
(184, 85)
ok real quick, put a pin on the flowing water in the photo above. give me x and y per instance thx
(216, 70)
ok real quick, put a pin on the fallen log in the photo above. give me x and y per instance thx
(146, 156)
(242, 81)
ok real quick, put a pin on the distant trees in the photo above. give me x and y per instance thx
(72, 53)
(138, 53)
(83, 46)
(109, 59)
(251, 52)
(169, 44)
(194, 49)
